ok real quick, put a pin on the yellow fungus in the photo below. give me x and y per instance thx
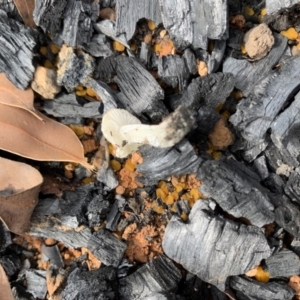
(168, 200)
(90, 92)
(236, 95)
(195, 194)
(79, 88)
(88, 180)
(111, 149)
(175, 195)
(48, 64)
(184, 216)
(178, 188)
(263, 12)
(160, 193)
(173, 208)
(81, 93)
(151, 25)
(43, 50)
(163, 185)
(290, 33)
(216, 155)
(249, 11)
(79, 130)
(129, 165)
(243, 49)
(262, 275)
(158, 209)
(54, 48)
(118, 46)
(115, 165)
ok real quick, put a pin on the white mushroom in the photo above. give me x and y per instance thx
(127, 133)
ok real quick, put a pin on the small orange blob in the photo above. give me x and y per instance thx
(158, 209)
(90, 92)
(118, 46)
(151, 25)
(290, 33)
(160, 194)
(43, 50)
(262, 275)
(129, 165)
(115, 165)
(169, 200)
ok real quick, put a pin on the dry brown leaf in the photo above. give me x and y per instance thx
(25, 9)
(19, 188)
(23, 134)
(5, 290)
(11, 95)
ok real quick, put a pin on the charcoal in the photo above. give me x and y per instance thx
(98, 46)
(210, 91)
(284, 263)
(108, 96)
(107, 176)
(11, 263)
(69, 105)
(97, 210)
(275, 6)
(274, 183)
(255, 115)
(36, 283)
(106, 69)
(106, 247)
(7, 5)
(285, 128)
(5, 237)
(216, 57)
(236, 38)
(251, 78)
(108, 27)
(295, 245)
(131, 11)
(75, 17)
(20, 293)
(194, 288)
(160, 163)
(278, 22)
(145, 53)
(163, 296)
(47, 224)
(287, 215)
(90, 285)
(277, 157)
(17, 47)
(73, 69)
(190, 61)
(140, 93)
(237, 190)
(52, 254)
(108, 3)
(194, 22)
(260, 165)
(49, 14)
(250, 289)
(115, 213)
(173, 71)
(292, 187)
(208, 243)
(157, 276)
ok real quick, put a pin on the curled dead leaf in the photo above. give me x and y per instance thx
(23, 134)
(19, 188)
(25, 9)
(5, 290)
(11, 95)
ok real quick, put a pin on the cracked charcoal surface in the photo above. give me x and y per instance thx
(249, 289)
(194, 22)
(156, 276)
(89, 285)
(237, 190)
(17, 42)
(131, 11)
(274, 6)
(74, 17)
(214, 243)
(284, 263)
(254, 116)
(160, 163)
(140, 93)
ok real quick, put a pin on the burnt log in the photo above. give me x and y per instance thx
(88, 285)
(210, 91)
(36, 283)
(52, 254)
(292, 187)
(157, 276)
(129, 12)
(194, 22)
(18, 43)
(278, 5)
(237, 190)
(67, 21)
(252, 78)
(5, 237)
(160, 163)
(99, 46)
(208, 243)
(254, 115)
(106, 247)
(284, 263)
(249, 289)
(140, 94)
